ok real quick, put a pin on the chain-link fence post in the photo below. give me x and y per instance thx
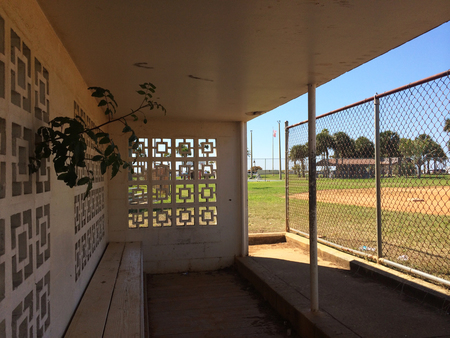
(286, 170)
(314, 266)
(376, 103)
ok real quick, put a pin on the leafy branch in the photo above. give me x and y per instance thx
(66, 140)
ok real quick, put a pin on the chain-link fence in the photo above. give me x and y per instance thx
(382, 175)
(266, 168)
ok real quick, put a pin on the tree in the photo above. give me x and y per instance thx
(447, 129)
(324, 142)
(415, 150)
(299, 153)
(364, 148)
(428, 149)
(389, 146)
(65, 139)
(344, 145)
(437, 154)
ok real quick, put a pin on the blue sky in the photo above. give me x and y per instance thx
(422, 57)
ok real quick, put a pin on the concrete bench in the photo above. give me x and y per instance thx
(113, 303)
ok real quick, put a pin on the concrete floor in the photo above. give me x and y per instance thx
(351, 303)
(213, 304)
(222, 304)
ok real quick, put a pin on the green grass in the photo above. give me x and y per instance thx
(300, 184)
(424, 238)
(266, 206)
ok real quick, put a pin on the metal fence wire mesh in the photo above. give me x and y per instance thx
(414, 179)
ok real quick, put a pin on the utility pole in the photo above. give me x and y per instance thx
(279, 148)
(251, 153)
(272, 150)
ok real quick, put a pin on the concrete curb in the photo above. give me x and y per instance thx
(426, 292)
(294, 307)
(290, 304)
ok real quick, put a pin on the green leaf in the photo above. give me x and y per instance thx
(62, 177)
(103, 167)
(126, 129)
(92, 135)
(102, 103)
(83, 180)
(145, 121)
(115, 169)
(97, 91)
(109, 150)
(105, 140)
(101, 134)
(141, 92)
(88, 189)
(132, 138)
(97, 158)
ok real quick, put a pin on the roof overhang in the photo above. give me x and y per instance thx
(224, 60)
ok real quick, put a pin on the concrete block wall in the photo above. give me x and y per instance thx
(51, 239)
(175, 245)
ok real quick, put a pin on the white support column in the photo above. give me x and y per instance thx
(313, 265)
(244, 192)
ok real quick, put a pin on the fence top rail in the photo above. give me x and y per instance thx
(377, 96)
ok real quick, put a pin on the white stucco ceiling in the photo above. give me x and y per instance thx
(221, 59)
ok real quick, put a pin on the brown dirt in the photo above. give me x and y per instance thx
(425, 200)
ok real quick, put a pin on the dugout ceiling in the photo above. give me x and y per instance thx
(218, 60)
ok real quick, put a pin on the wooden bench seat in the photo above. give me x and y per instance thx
(113, 303)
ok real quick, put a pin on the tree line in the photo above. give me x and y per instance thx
(412, 154)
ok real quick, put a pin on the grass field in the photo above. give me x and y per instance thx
(416, 239)
(266, 206)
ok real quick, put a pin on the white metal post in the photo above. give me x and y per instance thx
(279, 148)
(313, 264)
(251, 153)
(286, 170)
(244, 191)
(378, 174)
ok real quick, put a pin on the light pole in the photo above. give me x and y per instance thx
(273, 136)
(251, 153)
(279, 148)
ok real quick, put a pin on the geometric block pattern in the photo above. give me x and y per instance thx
(20, 68)
(89, 220)
(25, 210)
(182, 176)
(87, 209)
(90, 151)
(25, 272)
(87, 244)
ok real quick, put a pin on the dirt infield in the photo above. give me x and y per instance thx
(425, 200)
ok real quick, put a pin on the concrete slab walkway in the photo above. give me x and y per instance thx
(210, 304)
(352, 305)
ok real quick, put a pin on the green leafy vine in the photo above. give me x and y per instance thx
(65, 139)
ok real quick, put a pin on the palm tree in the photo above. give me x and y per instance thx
(324, 142)
(299, 153)
(389, 146)
(364, 148)
(447, 129)
(416, 150)
(344, 147)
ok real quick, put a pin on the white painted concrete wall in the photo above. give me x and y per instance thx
(77, 231)
(46, 290)
(188, 248)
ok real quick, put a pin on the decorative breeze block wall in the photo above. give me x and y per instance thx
(89, 212)
(174, 183)
(25, 211)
